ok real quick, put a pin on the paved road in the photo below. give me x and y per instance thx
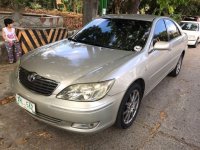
(169, 119)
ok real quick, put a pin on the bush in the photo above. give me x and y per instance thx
(176, 17)
(34, 5)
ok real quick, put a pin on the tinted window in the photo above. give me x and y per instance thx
(160, 33)
(115, 33)
(172, 29)
(189, 26)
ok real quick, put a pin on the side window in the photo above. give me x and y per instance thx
(160, 32)
(172, 29)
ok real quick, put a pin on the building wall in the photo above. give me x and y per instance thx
(32, 20)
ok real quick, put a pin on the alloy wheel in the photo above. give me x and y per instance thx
(178, 68)
(131, 106)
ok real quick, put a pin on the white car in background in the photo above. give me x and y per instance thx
(192, 29)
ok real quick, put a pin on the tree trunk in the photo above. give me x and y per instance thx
(90, 10)
(117, 6)
(74, 6)
(132, 6)
(54, 4)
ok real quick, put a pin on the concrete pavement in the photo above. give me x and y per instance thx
(169, 119)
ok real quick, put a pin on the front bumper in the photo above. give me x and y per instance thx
(191, 42)
(63, 114)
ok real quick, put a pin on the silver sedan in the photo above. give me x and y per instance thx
(98, 77)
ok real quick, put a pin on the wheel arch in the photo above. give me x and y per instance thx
(183, 53)
(139, 81)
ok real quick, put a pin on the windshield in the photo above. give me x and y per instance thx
(189, 26)
(120, 34)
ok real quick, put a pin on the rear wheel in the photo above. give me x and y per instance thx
(129, 106)
(177, 69)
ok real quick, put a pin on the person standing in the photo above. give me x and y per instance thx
(11, 41)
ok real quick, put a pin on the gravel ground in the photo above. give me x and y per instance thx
(169, 118)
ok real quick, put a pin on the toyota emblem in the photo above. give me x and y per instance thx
(32, 77)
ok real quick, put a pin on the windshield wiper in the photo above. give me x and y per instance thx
(72, 39)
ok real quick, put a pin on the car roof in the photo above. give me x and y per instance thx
(192, 21)
(133, 17)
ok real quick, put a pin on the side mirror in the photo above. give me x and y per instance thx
(160, 45)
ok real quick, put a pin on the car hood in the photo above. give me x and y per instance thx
(188, 32)
(68, 61)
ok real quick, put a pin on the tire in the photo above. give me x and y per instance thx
(177, 69)
(195, 45)
(129, 106)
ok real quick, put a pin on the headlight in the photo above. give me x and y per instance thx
(191, 37)
(86, 91)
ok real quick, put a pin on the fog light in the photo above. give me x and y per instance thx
(85, 125)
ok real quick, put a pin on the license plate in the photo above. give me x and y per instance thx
(26, 104)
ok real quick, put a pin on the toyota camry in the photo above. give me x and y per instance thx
(98, 77)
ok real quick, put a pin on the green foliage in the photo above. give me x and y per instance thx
(169, 6)
(176, 17)
(193, 8)
(174, 8)
(73, 5)
(38, 4)
(19, 4)
(14, 4)
(34, 5)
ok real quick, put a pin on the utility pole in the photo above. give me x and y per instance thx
(103, 6)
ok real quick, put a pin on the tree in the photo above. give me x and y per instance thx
(163, 7)
(132, 6)
(191, 9)
(13, 4)
(124, 6)
(169, 6)
(90, 10)
(73, 5)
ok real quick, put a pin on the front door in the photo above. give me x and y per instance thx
(158, 64)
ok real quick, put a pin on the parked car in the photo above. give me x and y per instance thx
(98, 77)
(191, 18)
(192, 29)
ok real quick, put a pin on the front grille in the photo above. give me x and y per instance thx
(47, 118)
(36, 83)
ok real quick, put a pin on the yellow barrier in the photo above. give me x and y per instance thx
(32, 38)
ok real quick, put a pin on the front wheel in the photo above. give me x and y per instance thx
(196, 43)
(129, 106)
(177, 69)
